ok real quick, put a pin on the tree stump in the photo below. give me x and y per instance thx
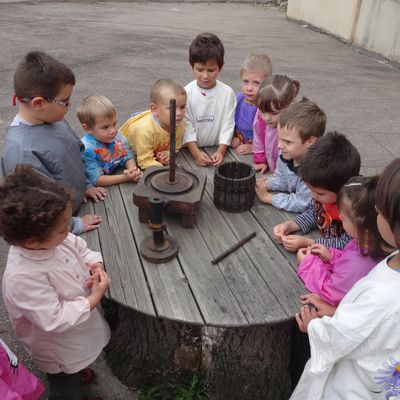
(255, 362)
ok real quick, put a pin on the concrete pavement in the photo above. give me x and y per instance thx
(119, 48)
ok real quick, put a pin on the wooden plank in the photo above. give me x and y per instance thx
(248, 286)
(169, 287)
(119, 249)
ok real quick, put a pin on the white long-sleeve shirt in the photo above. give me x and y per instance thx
(210, 119)
(46, 301)
(355, 354)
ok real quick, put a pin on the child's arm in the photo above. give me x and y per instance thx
(259, 157)
(336, 242)
(199, 156)
(219, 155)
(323, 309)
(101, 282)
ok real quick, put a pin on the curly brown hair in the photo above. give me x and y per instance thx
(31, 206)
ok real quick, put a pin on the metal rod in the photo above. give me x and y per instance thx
(172, 123)
(233, 248)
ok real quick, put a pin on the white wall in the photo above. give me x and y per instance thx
(371, 24)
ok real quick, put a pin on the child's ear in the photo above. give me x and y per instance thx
(311, 140)
(85, 127)
(154, 109)
(38, 103)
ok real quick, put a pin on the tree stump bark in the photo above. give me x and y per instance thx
(237, 363)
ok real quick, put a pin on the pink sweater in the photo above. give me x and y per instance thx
(265, 143)
(332, 280)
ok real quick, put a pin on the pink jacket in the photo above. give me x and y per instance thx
(332, 280)
(265, 143)
(16, 382)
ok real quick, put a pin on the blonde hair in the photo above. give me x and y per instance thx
(276, 93)
(160, 85)
(257, 62)
(93, 107)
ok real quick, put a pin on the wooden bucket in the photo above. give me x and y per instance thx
(234, 184)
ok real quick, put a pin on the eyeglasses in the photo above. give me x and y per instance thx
(65, 103)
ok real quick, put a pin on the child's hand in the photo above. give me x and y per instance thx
(91, 222)
(133, 173)
(261, 168)
(321, 251)
(283, 229)
(262, 191)
(203, 159)
(95, 193)
(235, 142)
(303, 253)
(217, 158)
(305, 316)
(295, 242)
(101, 281)
(93, 269)
(323, 308)
(244, 149)
(163, 157)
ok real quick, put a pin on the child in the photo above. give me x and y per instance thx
(275, 94)
(105, 148)
(329, 163)
(210, 110)
(330, 273)
(40, 136)
(148, 132)
(355, 354)
(16, 382)
(47, 279)
(255, 69)
(300, 125)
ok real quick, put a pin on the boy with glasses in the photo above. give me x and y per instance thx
(40, 136)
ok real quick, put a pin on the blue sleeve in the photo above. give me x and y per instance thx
(76, 225)
(308, 219)
(278, 181)
(293, 202)
(130, 154)
(337, 242)
(92, 168)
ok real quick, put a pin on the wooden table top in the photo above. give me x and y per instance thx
(257, 284)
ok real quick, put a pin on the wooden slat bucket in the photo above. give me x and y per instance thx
(234, 184)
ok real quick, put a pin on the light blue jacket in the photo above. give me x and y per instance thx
(294, 195)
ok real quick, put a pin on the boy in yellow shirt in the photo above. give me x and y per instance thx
(148, 132)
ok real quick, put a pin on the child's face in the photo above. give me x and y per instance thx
(206, 73)
(291, 145)
(384, 230)
(104, 130)
(271, 118)
(322, 195)
(161, 110)
(347, 219)
(57, 236)
(251, 82)
(51, 110)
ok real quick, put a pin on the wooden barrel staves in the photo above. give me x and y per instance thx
(234, 184)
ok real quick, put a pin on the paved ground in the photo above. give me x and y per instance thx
(119, 49)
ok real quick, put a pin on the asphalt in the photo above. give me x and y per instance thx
(118, 49)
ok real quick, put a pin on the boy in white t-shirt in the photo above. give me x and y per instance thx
(210, 109)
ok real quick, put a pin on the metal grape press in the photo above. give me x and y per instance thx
(179, 191)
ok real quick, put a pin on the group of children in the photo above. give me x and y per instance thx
(53, 283)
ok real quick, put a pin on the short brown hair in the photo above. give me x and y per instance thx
(206, 46)
(160, 85)
(330, 162)
(306, 117)
(39, 74)
(388, 197)
(31, 206)
(257, 62)
(276, 93)
(93, 107)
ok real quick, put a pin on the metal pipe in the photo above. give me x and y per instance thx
(233, 248)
